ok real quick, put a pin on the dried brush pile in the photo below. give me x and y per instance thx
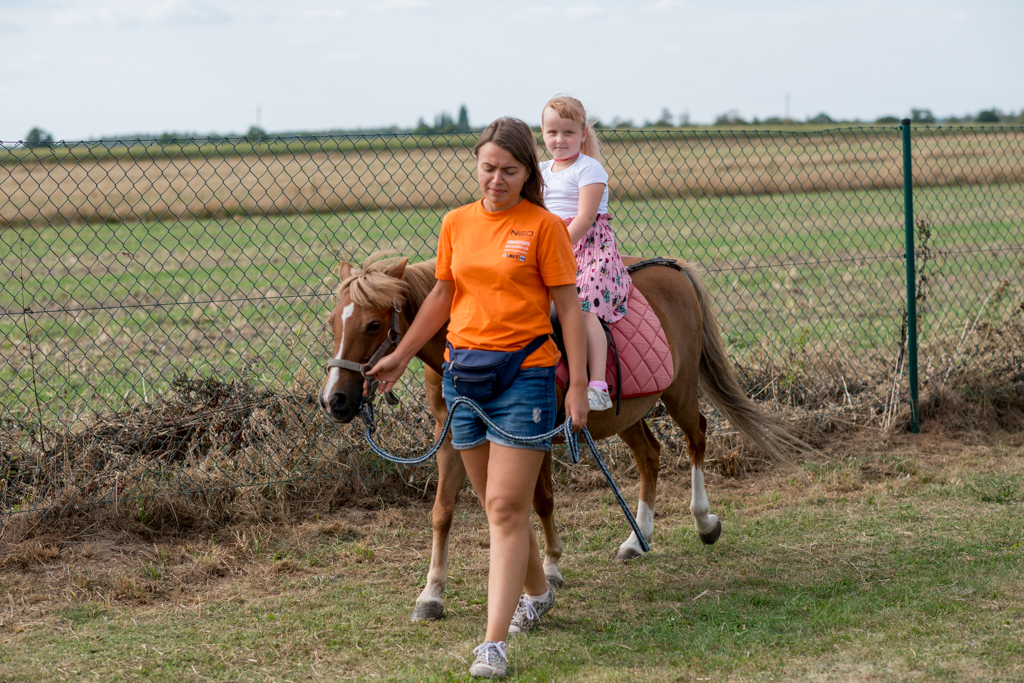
(213, 450)
(983, 369)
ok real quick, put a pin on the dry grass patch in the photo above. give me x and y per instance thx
(856, 565)
(111, 190)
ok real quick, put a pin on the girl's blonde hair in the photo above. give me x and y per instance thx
(572, 109)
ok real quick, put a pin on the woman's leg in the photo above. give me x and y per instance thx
(597, 347)
(504, 478)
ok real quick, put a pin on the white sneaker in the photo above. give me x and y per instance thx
(598, 398)
(529, 612)
(491, 660)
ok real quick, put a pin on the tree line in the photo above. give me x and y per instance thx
(444, 122)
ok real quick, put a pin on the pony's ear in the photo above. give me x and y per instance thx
(344, 270)
(398, 270)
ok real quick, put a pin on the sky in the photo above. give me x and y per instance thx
(82, 69)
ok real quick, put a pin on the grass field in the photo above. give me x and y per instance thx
(888, 559)
(404, 173)
(99, 319)
(114, 306)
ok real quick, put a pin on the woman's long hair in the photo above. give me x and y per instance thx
(572, 109)
(516, 138)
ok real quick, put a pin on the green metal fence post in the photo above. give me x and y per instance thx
(908, 211)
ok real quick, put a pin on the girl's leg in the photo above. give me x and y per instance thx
(597, 347)
(504, 478)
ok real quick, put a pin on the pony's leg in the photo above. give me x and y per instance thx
(709, 528)
(686, 413)
(451, 474)
(646, 452)
(544, 504)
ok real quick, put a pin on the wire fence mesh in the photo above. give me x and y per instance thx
(162, 306)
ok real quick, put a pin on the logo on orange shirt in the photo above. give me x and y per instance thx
(518, 248)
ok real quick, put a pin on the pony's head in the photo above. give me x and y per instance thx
(361, 320)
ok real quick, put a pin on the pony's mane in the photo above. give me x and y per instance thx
(372, 287)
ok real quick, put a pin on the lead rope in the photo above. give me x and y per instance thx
(571, 441)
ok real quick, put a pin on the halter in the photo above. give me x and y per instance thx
(392, 340)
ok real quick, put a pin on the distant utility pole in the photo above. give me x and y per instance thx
(259, 111)
(787, 105)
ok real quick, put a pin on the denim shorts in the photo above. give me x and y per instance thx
(526, 408)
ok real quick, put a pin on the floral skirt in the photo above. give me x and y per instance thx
(601, 278)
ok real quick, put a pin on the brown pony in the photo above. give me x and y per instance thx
(367, 303)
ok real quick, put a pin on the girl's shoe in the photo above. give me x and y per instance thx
(529, 612)
(598, 398)
(491, 660)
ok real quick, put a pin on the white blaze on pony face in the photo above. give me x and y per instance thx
(332, 376)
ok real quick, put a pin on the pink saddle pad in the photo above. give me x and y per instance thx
(643, 352)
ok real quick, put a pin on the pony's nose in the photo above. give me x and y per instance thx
(338, 402)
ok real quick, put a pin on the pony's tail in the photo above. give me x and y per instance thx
(720, 386)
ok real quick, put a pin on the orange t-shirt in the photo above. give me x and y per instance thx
(502, 263)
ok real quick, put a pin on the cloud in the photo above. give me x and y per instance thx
(786, 20)
(534, 12)
(386, 5)
(537, 12)
(181, 12)
(90, 17)
(323, 14)
(666, 5)
(496, 51)
(344, 56)
(581, 11)
(302, 41)
(184, 12)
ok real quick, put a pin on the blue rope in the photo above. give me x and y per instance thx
(571, 441)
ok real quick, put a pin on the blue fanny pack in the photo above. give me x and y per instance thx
(483, 375)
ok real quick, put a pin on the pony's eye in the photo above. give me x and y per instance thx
(373, 327)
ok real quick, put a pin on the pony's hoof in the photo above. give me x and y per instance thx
(428, 611)
(555, 580)
(712, 536)
(627, 554)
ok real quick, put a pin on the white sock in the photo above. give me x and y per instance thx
(539, 598)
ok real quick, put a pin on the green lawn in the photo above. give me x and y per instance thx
(902, 563)
(113, 305)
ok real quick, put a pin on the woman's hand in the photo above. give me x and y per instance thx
(387, 371)
(567, 303)
(577, 406)
(433, 313)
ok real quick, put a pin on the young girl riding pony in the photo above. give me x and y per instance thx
(576, 190)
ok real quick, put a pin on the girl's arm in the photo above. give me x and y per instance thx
(434, 312)
(567, 303)
(586, 214)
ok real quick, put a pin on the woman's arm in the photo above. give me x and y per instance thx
(436, 309)
(567, 303)
(586, 214)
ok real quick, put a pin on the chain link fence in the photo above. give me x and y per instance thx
(163, 306)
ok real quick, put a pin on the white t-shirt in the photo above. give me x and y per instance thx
(562, 188)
